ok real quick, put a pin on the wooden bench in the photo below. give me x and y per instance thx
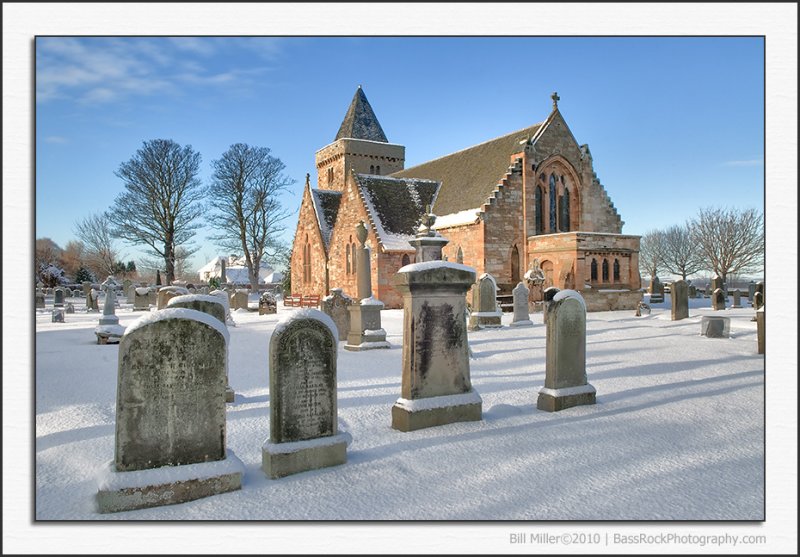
(292, 301)
(310, 301)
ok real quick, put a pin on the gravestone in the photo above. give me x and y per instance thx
(547, 296)
(679, 294)
(335, 306)
(366, 332)
(737, 299)
(58, 297)
(57, 316)
(87, 287)
(152, 295)
(204, 290)
(225, 299)
(760, 330)
(92, 301)
(715, 327)
(565, 381)
(239, 299)
(126, 289)
(716, 282)
(758, 300)
(718, 299)
(435, 388)
(170, 419)
(141, 298)
(108, 329)
(760, 289)
(751, 290)
(692, 291)
(267, 304)
(656, 291)
(212, 305)
(303, 429)
(167, 292)
(521, 316)
(485, 313)
(69, 307)
(39, 298)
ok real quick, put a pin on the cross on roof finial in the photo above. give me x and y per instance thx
(555, 98)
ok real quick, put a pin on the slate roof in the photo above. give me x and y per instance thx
(326, 207)
(360, 121)
(396, 206)
(469, 176)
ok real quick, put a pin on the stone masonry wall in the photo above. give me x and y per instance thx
(503, 230)
(345, 156)
(307, 227)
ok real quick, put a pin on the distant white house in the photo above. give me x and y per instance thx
(236, 272)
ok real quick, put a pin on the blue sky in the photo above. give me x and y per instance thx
(673, 123)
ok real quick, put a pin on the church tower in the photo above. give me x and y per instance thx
(360, 146)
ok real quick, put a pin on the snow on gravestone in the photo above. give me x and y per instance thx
(167, 292)
(302, 387)
(335, 306)
(141, 299)
(718, 299)
(521, 316)
(170, 419)
(565, 383)
(484, 304)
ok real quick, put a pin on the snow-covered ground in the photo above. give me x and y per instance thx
(677, 432)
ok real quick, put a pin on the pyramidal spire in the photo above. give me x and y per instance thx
(360, 121)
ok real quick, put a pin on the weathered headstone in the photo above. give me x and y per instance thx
(126, 290)
(717, 282)
(547, 297)
(718, 299)
(69, 307)
(751, 290)
(152, 295)
(737, 299)
(304, 431)
(565, 381)
(212, 305)
(267, 304)
(239, 299)
(92, 301)
(39, 298)
(58, 297)
(692, 291)
(225, 299)
(167, 292)
(366, 332)
(57, 316)
(521, 316)
(715, 327)
(485, 313)
(335, 306)
(761, 329)
(141, 298)
(760, 289)
(87, 287)
(436, 388)
(758, 299)
(170, 424)
(679, 298)
(656, 291)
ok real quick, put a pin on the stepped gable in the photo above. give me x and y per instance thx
(395, 206)
(326, 208)
(470, 176)
(360, 121)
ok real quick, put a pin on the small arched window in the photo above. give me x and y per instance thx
(347, 259)
(378, 169)
(330, 176)
(307, 261)
(354, 253)
(553, 227)
(459, 255)
(538, 210)
(372, 169)
(405, 261)
(594, 270)
(565, 211)
(616, 270)
(605, 270)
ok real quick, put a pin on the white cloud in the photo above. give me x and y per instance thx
(55, 139)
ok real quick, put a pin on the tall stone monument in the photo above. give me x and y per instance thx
(751, 290)
(303, 432)
(366, 332)
(565, 382)
(679, 294)
(108, 329)
(717, 282)
(170, 422)
(521, 316)
(435, 387)
(485, 313)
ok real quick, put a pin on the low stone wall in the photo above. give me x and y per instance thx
(611, 300)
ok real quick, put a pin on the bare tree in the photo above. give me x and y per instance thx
(731, 240)
(72, 258)
(161, 201)
(680, 255)
(651, 253)
(245, 209)
(100, 257)
(47, 257)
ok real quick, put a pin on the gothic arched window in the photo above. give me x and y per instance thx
(616, 270)
(605, 270)
(378, 169)
(330, 176)
(594, 270)
(307, 261)
(459, 255)
(347, 259)
(405, 261)
(553, 203)
(565, 211)
(372, 169)
(538, 210)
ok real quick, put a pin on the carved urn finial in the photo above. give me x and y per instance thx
(361, 233)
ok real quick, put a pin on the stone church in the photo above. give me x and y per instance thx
(526, 201)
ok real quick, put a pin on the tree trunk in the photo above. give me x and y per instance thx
(169, 259)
